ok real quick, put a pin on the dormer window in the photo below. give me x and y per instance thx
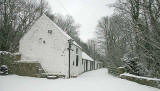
(50, 31)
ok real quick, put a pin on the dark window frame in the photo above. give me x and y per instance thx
(77, 59)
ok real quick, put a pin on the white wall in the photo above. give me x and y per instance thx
(53, 54)
(76, 70)
(88, 65)
(84, 65)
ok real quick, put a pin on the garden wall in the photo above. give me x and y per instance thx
(142, 80)
(33, 69)
(12, 61)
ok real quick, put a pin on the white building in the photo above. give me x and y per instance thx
(47, 44)
(89, 63)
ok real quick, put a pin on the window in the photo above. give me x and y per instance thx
(50, 31)
(86, 65)
(90, 65)
(44, 42)
(82, 61)
(76, 50)
(77, 59)
(73, 63)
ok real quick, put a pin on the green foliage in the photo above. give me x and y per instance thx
(112, 70)
(121, 70)
(8, 59)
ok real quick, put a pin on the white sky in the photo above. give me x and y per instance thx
(85, 12)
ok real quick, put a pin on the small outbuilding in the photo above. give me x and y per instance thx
(90, 63)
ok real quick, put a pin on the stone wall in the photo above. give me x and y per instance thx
(11, 60)
(143, 81)
(33, 69)
(116, 71)
(138, 79)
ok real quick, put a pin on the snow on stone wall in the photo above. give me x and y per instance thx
(154, 82)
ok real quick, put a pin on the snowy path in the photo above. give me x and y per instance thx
(97, 80)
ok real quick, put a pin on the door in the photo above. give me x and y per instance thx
(86, 65)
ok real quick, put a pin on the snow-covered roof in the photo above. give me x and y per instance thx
(64, 33)
(85, 56)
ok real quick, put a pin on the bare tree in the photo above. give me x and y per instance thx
(16, 16)
(144, 15)
(113, 36)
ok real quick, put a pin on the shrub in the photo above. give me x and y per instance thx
(7, 58)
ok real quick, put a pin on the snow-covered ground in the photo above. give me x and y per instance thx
(98, 80)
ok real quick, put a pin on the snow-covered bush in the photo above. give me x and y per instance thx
(113, 71)
(133, 65)
(121, 70)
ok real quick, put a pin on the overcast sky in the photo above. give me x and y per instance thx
(85, 12)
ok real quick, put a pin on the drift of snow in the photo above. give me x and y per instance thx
(5, 52)
(98, 80)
